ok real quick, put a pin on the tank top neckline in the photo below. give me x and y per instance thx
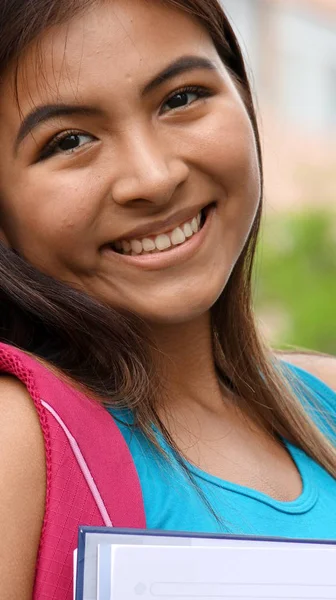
(302, 504)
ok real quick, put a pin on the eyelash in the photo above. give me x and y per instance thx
(202, 92)
(51, 146)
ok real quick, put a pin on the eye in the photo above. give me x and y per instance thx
(184, 97)
(66, 143)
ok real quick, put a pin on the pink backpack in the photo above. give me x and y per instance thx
(91, 477)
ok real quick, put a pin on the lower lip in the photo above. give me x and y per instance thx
(167, 258)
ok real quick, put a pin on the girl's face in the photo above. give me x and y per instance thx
(129, 168)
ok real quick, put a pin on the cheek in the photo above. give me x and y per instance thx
(233, 161)
(54, 235)
(228, 152)
(51, 206)
(224, 147)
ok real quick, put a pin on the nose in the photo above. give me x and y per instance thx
(148, 172)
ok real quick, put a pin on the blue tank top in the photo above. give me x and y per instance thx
(172, 502)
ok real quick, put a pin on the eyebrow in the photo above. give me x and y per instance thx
(178, 67)
(47, 112)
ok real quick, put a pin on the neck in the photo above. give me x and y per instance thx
(186, 365)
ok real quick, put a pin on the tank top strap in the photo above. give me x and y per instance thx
(317, 397)
(91, 477)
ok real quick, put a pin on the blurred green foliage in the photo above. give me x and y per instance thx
(295, 280)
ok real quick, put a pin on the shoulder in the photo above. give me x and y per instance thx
(321, 366)
(22, 488)
(20, 430)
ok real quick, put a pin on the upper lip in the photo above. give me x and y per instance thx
(161, 226)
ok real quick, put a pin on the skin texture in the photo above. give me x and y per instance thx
(22, 489)
(139, 161)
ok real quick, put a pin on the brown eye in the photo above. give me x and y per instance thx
(71, 142)
(180, 99)
(184, 97)
(66, 143)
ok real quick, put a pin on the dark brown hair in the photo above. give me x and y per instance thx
(109, 353)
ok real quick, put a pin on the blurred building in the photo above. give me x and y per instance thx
(290, 46)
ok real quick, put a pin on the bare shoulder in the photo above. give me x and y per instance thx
(322, 366)
(22, 489)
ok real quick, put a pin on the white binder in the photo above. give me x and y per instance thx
(129, 565)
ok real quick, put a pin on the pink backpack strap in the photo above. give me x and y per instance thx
(91, 477)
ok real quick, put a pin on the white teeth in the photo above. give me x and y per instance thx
(136, 246)
(162, 242)
(177, 237)
(188, 232)
(126, 246)
(148, 245)
(194, 225)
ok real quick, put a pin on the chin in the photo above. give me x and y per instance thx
(178, 309)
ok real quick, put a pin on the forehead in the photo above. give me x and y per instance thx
(121, 41)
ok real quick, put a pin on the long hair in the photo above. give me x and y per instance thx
(108, 353)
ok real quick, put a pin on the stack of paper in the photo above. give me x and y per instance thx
(131, 565)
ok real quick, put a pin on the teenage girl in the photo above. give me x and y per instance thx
(136, 389)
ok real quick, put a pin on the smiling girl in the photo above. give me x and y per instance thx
(136, 389)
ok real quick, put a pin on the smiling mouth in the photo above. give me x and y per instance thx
(162, 242)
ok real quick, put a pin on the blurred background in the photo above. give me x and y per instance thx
(290, 48)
